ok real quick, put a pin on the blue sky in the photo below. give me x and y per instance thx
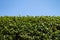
(30, 7)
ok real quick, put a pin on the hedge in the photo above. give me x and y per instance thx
(29, 27)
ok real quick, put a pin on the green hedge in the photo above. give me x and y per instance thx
(29, 28)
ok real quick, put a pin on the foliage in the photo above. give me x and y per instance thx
(29, 28)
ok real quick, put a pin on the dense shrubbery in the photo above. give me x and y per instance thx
(30, 28)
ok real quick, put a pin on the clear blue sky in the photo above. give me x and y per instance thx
(30, 7)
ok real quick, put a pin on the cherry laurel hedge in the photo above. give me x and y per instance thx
(29, 27)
